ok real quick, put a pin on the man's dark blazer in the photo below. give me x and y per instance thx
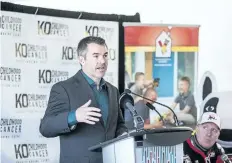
(69, 95)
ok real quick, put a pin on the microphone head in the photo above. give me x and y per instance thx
(124, 98)
(127, 91)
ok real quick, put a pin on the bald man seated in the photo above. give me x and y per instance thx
(143, 111)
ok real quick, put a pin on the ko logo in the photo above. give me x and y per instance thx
(44, 27)
(45, 76)
(21, 50)
(21, 100)
(21, 151)
(92, 30)
(68, 53)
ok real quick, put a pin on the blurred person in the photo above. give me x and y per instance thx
(143, 111)
(84, 109)
(152, 84)
(187, 106)
(139, 85)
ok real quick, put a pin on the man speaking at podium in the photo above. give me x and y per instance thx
(84, 110)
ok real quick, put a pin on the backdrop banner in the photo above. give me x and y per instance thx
(37, 52)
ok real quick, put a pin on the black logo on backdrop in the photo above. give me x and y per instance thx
(11, 128)
(100, 31)
(69, 55)
(32, 102)
(51, 76)
(30, 53)
(10, 76)
(10, 25)
(31, 152)
(92, 30)
(52, 29)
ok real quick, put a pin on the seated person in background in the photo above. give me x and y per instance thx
(143, 111)
(201, 147)
(139, 85)
(151, 84)
(185, 99)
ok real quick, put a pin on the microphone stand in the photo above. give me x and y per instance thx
(175, 117)
(153, 108)
(126, 101)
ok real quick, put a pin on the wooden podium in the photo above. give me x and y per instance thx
(157, 145)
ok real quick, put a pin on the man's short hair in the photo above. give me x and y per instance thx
(185, 78)
(83, 44)
(138, 74)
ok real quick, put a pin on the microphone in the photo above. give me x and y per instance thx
(126, 101)
(177, 123)
(153, 108)
(224, 157)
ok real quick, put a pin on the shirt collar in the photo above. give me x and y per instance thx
(185, 94)
(91, 82)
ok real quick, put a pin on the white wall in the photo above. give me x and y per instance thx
(214, 17)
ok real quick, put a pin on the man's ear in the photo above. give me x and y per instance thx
(81, 60)
(197, 128)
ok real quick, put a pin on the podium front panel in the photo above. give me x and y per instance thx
(160, 154)
(128, 151)
(122, 151)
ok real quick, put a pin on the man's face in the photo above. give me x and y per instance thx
(96, 61)
(207, 134)
(183, 86)
(153, 96)
(140, 81)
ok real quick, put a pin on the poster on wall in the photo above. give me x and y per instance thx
(163, 53)
(165, 59)
(37, 52)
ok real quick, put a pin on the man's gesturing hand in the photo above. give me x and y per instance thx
(87, 114)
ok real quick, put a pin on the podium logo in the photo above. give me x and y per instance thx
(11, 128)
(100, 31)
(30, 102)
(10, 25)
(46, 28)
(31, 153)
(30, 53)
(52, 76)
(10, 77)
